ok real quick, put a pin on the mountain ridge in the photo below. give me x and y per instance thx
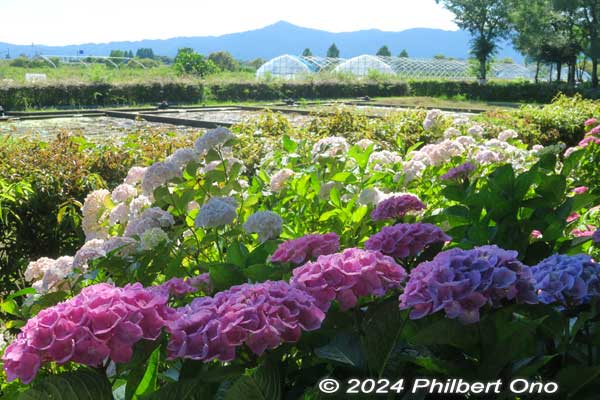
(285, 38)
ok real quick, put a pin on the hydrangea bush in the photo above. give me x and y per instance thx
(332, 258)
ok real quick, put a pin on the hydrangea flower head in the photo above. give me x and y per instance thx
(596, 236)
(397, 207)
(102, 321)
(568, 280)
(154, 217)
(591, 121)
(182, 157)
(123, 193)
(267, 224)
(214, 138)
(152, 238)
(462, 171)
(298, 251)
(280, 178)
(218, 211)
(262, 316)
(460, 282)
(157, 175)
(347, 276)
(330, 147)
(135, 175)
(405, 240)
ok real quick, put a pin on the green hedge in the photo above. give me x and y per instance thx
(499, 91)
(97, 94)
(303, 90)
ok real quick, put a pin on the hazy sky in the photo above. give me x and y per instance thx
(59, 22)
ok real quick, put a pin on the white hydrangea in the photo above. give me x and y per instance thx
(371, 197)
(537, 148)
(326, 188)
(507, 134)
(119, 214)
(91, 250)
(217, 211)
(330, 147)
(157, 175)
(183, 157)
(123, 193)
(570, 151)
(451, 133)
(138, 205)
(466, 141)
(486, 156)
(365, 143)
(125, 245)
(411, 170)
(280, 178)
(460, 121)
(476, 131)
(135, 175)
(378, 159)
(431, 119)
(54, 275)
(36, 269)
(152, 238)
(214, 138)
(154, 217)
(267, 224)
(94, 210)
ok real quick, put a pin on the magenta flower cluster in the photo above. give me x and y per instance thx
(298, 251)
(462, 171)
(397, 207)
(348, 275)
(460, 282)
(262, 316)
(569, 280)
(405, 240)
(178, 287)
(102, 321)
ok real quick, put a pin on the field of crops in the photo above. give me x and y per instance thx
(257, 261)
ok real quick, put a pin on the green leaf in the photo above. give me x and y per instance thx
(237, 254)
(224, 276)
(83, 384)
(22, 292)
(288, 144)
(148, 382)
(575, 378)
(344, 348)
(342, 177)
(189, 389)
(263, 384)
(10, 307)
(261, 272)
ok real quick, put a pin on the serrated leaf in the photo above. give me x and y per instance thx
(263, 384)
(79, 385)
(344, 348)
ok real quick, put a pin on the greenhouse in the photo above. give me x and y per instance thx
(289, 67)
(363, 65)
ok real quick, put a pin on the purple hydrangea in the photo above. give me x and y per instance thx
(397, 207)
(262, 316)
(570, 280)
(405, 240)
(460, 282)
(102, 321)
(596, 236)
(462, 171)
(348, 275)
(179, 287)
(308, 247)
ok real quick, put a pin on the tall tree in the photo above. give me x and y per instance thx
(488, 22)
(384, 51)
(589, 17)
(307, 53)
(224, 60)
(145, 52)
(403, 54)
(333, 51)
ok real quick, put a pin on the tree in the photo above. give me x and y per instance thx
(117, 53)
(144, 52)
(188, 61)
(333, 51)
(403, 54)
(588, 12)
(224, 61)
(384, 51)
(307, 53)
(257, 63)
(487, 21)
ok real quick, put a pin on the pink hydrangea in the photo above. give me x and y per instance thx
(298, 251)
(179, 287)
(397, 207)
(587, 232)
(101, 322)
(262, 316)
(348, 275)
(405, 240)
(535, 234)
(581, 190)
(591, 121)
(573, 217)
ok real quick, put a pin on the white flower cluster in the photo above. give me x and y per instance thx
(216, 212)
(135, 175)
(431, 119)
(152, 238)
(330, 147)
(280, 178)
(214, 138)
(123, 193)
(507, 135)
(49, 275)
(371, 197)
(94, 211)
(267, 224)
(154, 217)
(91, 250)
(326, 188)
(380, 159)
(365, 143)
(157, 175)
(182, 157)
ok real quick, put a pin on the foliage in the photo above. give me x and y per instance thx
(333, 51)
(224, 61)
(384, 51)
(189, 62)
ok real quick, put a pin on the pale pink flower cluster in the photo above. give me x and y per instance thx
(279, 180)
(431, 119)
(267, 224)
(213, 139)
(298, 251)
(378, 160)
(154, 217)
(330, 147)
(95, 211)
(157, 175)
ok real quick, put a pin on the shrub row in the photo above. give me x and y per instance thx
(97, 94)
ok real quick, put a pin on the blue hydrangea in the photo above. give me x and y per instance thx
(569, 280)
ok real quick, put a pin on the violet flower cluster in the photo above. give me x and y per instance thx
(178, 287)
(460, 282)
(397, 207)
(298, 251)
(569, 280)
(460, 172)
(102, 321)
(405, 240)
(262, 316)
(348, 275)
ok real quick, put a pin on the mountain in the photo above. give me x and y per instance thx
(285, 38)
